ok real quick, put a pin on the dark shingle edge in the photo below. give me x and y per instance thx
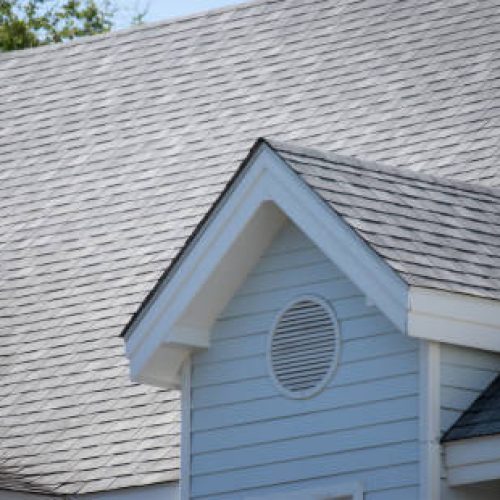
(469, 425)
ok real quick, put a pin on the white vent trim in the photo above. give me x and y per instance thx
(315, 376)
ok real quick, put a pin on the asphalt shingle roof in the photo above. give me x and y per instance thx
(113, 148)
(434, 232)
(482, 418)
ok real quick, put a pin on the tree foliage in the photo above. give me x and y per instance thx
(30, 23)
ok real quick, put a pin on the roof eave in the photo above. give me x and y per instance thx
(454, 318)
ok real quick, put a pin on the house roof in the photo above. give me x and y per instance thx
(113, 148)
(482, 418)
(435, 233)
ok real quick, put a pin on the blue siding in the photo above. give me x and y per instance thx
(247, 439)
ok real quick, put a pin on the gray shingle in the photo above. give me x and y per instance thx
(436, 233)
(113, 148)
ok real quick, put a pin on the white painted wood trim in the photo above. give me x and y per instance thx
(185, 482)
(454, 318)
(474, 460)
(429, 421)
(353, 491)
(181, 315)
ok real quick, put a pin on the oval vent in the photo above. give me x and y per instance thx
(304, 347)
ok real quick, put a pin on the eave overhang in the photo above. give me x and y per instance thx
(454, 318)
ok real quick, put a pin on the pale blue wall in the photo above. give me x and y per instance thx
(248, 439)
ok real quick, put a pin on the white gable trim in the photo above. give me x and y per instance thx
(454, 318)
(181, 315)
(474, 460)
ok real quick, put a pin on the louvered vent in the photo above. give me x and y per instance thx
(304, 347)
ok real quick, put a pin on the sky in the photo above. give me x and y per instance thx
(158, 10)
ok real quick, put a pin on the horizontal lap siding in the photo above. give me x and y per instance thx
(247, 439)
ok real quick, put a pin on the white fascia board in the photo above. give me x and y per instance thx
(180, 317)
(185, 482)
(454, 318)
(473, 460)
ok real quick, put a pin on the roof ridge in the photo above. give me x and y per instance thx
(27, 52)
(355, 161)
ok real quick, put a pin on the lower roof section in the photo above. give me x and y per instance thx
(434, 233)
(481, 419)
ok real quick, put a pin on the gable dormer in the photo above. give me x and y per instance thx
(383, 254)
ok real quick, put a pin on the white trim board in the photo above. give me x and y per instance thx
(454, 318)
(267, 192)
(473, 460)
(429, 420)
(185, 482)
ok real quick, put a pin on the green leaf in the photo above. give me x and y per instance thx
(29, 23)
